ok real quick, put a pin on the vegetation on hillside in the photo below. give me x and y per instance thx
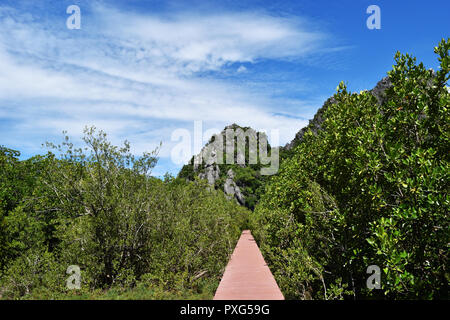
(97, 207)
(247, 176)
(369, 188)
(366, 183)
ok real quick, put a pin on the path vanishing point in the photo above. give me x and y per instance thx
(247, 276)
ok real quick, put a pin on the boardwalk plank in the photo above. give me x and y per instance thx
(247, 276)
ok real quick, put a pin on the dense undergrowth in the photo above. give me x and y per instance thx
(369, 188)
(132, 235)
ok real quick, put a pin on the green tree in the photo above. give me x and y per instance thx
(370, 187)
(98, 207)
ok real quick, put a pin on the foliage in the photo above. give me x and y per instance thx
(246, 176)
(370, 187)
(18, 179)
(365, 184)
(98, 207)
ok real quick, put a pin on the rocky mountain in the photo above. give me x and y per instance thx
(241, 179)
(238, 174)
(315, 124)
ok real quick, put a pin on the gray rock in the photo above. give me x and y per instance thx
(211, 174)
(379, 91)
(231, 189)
(232, 139)
(230, 174)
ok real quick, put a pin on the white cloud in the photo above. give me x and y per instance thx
(241, 68)
(130, 71)
(193, 43)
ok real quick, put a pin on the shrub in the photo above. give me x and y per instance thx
(98, 207)
(370, 187)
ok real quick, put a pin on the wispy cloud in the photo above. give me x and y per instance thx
(140, 76)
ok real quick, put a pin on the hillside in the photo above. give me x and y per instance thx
(366, 185)
(241, 180)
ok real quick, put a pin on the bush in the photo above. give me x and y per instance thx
(99, 208)
(33, 270)
(370, 187)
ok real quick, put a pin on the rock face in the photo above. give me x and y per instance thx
(221, 169)
(211, 174)
(208, 158)
(231, 189)
(380, 89)
(315, 124)
(211, 163)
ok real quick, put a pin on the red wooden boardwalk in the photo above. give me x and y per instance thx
(247, 276)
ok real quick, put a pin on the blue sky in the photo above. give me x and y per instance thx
(142, 69)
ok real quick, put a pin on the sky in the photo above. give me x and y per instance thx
(141, 70)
